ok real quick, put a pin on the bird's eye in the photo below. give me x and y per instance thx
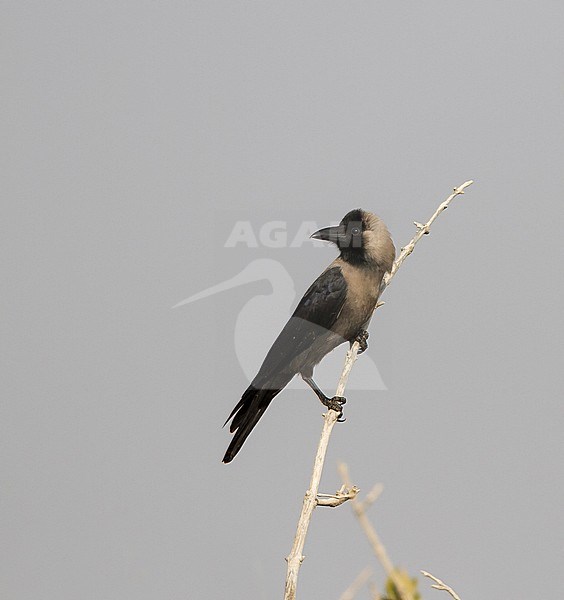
(355, 230)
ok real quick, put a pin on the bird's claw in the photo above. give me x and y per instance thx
(336, 404)
(362, 339)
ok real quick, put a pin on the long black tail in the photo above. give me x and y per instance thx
(246, 415)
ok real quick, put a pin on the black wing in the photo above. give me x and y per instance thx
(315, 314)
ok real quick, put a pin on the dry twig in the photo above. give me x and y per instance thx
(338, 498)
(359, 509)
(372, 496)
(374, 591)
(295, 558)
(357, 584)
(440, 585)
(421, 231)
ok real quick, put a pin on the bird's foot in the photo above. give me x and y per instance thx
(362, 339)
(336, 404)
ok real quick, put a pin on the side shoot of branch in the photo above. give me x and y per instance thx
(439, 585)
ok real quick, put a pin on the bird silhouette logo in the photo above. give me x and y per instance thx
(261, 318)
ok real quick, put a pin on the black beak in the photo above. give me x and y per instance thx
(331, 234)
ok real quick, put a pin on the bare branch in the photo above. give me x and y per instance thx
(374, 539)
(422, 229)
(338, 498)
(357, 584)
(374, 591)
(295, 558)
(372, 496)
(440, 585)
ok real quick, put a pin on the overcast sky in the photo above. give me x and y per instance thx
(137, 136)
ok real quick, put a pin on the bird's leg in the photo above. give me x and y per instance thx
(362, 339)
(335, 403)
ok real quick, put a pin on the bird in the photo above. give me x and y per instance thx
(335, 309)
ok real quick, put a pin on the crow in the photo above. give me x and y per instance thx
(335, 309)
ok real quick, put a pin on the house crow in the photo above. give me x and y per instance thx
(335, 309)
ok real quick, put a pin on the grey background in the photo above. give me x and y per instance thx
(127, 127)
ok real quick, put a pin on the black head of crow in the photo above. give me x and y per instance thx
(335, 309)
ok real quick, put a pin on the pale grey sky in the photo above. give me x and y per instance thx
(136, 135)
